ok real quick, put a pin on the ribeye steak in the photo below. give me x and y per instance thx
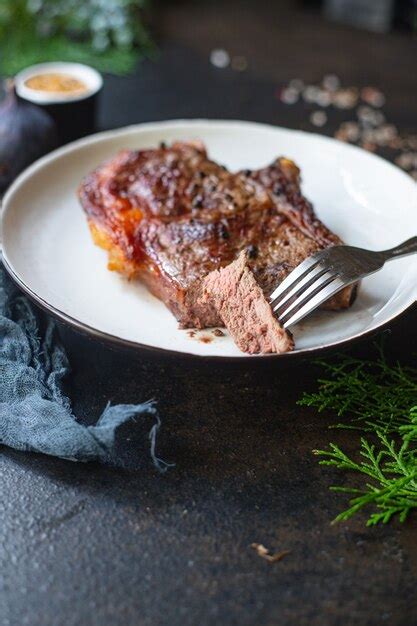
(170, 215)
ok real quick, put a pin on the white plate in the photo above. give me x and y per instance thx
(48, 250)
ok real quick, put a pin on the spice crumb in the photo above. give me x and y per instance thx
(217, 332)
(219, 58)
(331, 82)
(239, 63)
(289, 96)
(318, 118)
(373, 96)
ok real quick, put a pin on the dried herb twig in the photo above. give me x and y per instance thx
(264, 553)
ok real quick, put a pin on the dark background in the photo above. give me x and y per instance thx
(89, 545)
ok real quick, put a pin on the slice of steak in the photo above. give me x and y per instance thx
(244, 310)
(171, 215)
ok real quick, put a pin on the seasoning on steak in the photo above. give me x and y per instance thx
(170, 216)
(244, 310)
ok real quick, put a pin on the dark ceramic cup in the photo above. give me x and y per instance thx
(74, 112)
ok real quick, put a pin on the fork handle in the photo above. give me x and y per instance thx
(408, 247)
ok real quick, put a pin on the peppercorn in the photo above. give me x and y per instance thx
(224, 232)
(252, 251)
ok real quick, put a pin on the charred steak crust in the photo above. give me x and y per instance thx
(170, 216)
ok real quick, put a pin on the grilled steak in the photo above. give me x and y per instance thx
(244, 310)
(171, 215)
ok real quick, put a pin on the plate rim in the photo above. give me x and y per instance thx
(121, 342)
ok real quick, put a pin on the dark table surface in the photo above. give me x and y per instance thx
(85, 544)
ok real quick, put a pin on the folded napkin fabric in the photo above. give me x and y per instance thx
(35, 414)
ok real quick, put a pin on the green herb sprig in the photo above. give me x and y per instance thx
(379, 399)
(108, 34)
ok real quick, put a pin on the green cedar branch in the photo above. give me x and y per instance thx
(379, 399)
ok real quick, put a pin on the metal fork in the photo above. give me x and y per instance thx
(324, 273)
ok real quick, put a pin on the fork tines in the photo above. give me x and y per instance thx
(310, 284)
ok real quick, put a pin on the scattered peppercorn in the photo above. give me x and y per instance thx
(252, 251)
(198, 202)
(224, 232)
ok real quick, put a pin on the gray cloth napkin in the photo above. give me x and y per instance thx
(34, 413)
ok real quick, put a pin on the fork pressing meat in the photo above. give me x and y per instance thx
(170, 216)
